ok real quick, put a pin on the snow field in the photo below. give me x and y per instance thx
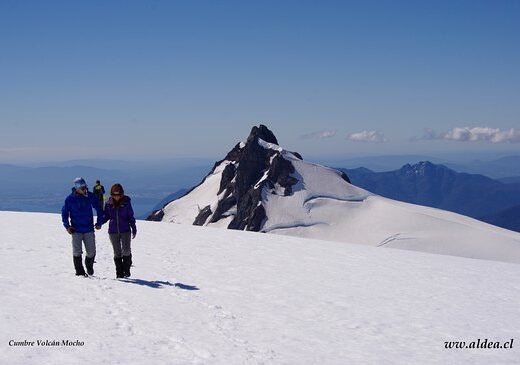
(261, 298)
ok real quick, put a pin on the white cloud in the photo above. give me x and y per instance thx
(493, 135)
(473, 134)
(319, 135)
(367, 136)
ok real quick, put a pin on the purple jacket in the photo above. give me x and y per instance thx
(121, 218)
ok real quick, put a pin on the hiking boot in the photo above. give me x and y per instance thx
(119, 267)
(80, 271)
(127, 262)
(89, 264)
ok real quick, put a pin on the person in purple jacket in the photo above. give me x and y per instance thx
(121, 228)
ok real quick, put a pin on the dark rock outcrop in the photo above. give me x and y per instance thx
(253, 162)
(156, 216)
(202, 216)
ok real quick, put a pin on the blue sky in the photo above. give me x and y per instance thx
(147, 79)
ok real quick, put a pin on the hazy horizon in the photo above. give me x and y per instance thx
(450, 156)
(463, 156)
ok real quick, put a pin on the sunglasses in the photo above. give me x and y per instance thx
(82, 188)
(115, 194)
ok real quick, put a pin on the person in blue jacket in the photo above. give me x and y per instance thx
(78, 220)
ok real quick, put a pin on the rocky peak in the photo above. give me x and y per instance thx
(242, 182)
(263, 133)
(420, 168)
(250, 169)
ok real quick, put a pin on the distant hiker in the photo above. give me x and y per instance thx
(121, 229)
(78, 207)
(99, 192)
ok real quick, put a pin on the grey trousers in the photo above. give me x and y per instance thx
(121, 243)
(89, 239)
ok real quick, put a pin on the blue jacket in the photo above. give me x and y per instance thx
(78, 208)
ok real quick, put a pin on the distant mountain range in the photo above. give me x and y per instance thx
(438, 186)
(508, 218)
(502, 167)
(510, 179)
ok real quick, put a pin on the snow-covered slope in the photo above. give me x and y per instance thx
(200, 295)
(260, 186)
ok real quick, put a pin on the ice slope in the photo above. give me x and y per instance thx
(200, 295)
(324, 206)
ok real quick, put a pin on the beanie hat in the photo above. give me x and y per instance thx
(79, 182)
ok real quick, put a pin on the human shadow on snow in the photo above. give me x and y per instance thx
(159, 284)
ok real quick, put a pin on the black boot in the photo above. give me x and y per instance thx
(89, 264)
(127, 262)
(119, 267)
(78, 265)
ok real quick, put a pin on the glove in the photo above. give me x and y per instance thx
(70, 230)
